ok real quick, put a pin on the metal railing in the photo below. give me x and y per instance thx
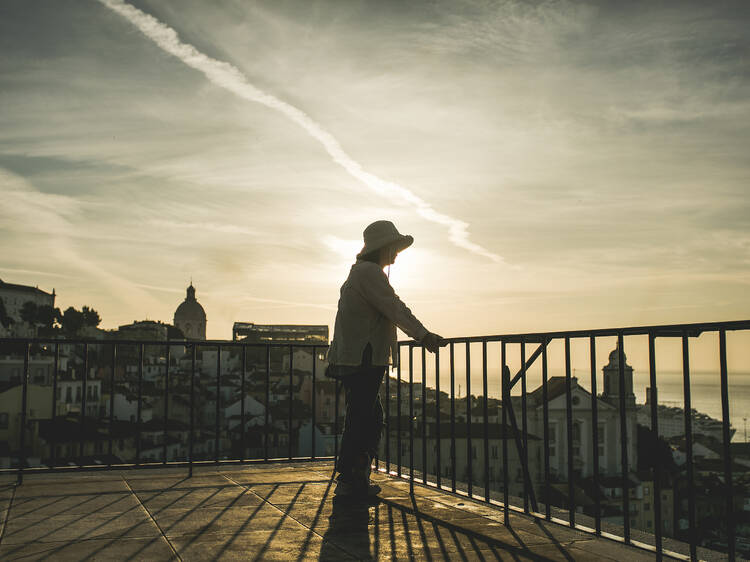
(511, 429)
(518, 437)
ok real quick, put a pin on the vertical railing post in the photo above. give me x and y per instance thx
(268, 402)
(291, 400)
(336, 423)
(84, 380)
(388, 431)
(112, 401)
(505, 391)
(398, 414)
(545, 421)
(243, 395)
(438, 420)
(139, 407)
(726, 434)
(453, 418)
(624, 440)
(469, 450)
(525, 428)
(24, 402)
(654, 403)
(689, 445)
(486, 424)
(411, 418)
(424, 416)
(312, 432)
(191, 441)
(166, 404)
(595, 435)
(53, 442)
(569, 434)
(217, 420)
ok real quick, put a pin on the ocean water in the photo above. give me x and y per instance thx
(705, 395)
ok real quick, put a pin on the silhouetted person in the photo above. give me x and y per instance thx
(364, 344)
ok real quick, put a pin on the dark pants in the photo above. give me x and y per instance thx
(364, 418)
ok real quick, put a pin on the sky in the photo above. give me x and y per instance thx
(561, 165)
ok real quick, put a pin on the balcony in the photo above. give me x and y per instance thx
(269, 512)
(227, 445)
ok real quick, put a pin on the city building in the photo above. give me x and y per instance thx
(143, 330)
(15, 296)
(190, 317)
(280, 333)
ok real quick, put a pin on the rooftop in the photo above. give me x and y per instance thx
(266, 511)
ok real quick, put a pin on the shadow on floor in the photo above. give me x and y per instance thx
(387, 529)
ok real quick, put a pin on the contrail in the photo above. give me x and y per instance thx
(231, 78)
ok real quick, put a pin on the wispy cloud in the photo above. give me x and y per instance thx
(231, 78)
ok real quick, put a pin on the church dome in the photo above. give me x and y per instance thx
(190, 316)
(614, 358)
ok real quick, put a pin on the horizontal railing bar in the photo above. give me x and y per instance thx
(184, 343)
(664, 330)
(158, 464)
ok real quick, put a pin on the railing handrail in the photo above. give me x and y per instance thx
(659, 330)
(665, 330)
(185, 343)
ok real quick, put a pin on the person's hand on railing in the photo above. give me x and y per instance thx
(432, 342)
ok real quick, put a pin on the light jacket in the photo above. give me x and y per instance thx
(369, 311)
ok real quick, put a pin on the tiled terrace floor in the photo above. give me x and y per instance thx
(266, 512)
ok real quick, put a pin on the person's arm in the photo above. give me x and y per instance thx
(376, 289)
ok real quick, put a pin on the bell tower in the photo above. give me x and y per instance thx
(611, 371)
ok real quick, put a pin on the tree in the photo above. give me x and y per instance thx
(90, 317)
(46, 316)
(28, 312)
(72, 321)
(5, 319)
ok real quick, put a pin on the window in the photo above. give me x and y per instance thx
(96, 393)
(494, 451)
(3, 420)
(78, 394)
(646, 490)
(648, 523)
(68, 395)
(553, 440)
(647, 506)
(601, 433)
(577, 429)
(473, 452)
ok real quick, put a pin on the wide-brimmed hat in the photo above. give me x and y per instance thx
(381, 234)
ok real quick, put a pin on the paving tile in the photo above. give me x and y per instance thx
(31, 528)
(179, 482)
(286, 545)
(209, 521)
(68, 487)
(99, 549)
(280, 494)
(197, 498)
(74, 504)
